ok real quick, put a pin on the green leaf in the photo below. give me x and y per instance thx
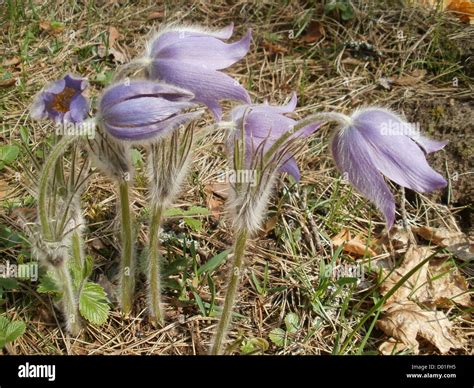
(197, 211)
(200, 304)
(56, 25)
(277, 336)
(4, 322)
(173, 212)
(104, 78)
(292, 322)
(88, 266)
(8, 153)
(137, 157)
(347, 12)
(93, 303)
(247, 347)
(194, 224)
(8, 283)
(253, 345)
(213, 263)
(77, 272)
(48, 285)
(346, 280)
(14, 330)
(24, 134)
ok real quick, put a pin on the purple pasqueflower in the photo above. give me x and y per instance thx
(140, 110)
(264, 125)
(191, 57)
(62, 101)
(377, 142)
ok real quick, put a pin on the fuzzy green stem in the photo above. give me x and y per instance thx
(77, 252)
(69, 300)
(48, 169)
(232, 288)
(127, 263)
(154, 280)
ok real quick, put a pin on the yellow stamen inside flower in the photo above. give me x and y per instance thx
(62, 101)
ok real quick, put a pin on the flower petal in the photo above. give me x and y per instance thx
(136, 89)
(396, 156)
(263, 124)
(430, 145)
(206, 52)
(55, 87)
(142, 111)
(79, 108)
(208, 86)
(353, 158)
(239, 111)
(77, 83)
(174, 35)
(155, 130)
(291, 167)
(38, 108)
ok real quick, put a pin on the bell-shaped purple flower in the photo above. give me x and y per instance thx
(377, 143)
(190, 58)
(62, 101)
(140, 110)
(264, 125)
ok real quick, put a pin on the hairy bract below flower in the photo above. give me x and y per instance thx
(264, 144)
(191, 57)
(377, 142)
(141, 110)
(62, 101)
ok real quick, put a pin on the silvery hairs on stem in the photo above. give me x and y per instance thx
(168, 162)
(110, 156)
(56, 251)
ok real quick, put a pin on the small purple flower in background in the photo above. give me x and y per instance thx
(264, 125)
(378, 142)
(62, 101)
(141, 110)
(191, 57)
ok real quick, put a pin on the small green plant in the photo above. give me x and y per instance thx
(10, 330)
(8, 154)
(342, 8)
(282, 337)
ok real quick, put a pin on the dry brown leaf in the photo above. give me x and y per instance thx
(5, 83)
(405, 321)
(314, 32)
(215, 205)
(352, 245)
(270, 224)
(352, 61)
(463, 9)
(392, 346)
(447, 286)
(219, 189)
(410, 79)
(12, 61)
(415, 286)
(216, 194)
(437, 283)
(441, 237)
(274, 48)
(155, 15)
(113, 36)
(51, 28)
(4, 189)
